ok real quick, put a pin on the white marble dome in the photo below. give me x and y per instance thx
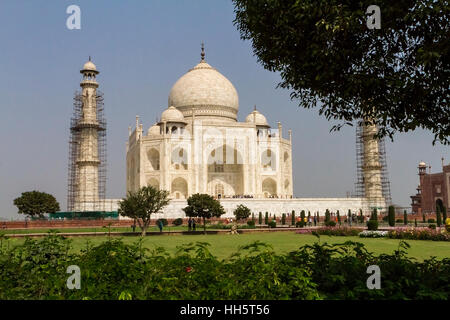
(89, 66)
(154, 130)
(207, 91)
(422, 164)
(172, 114)
(258, 118)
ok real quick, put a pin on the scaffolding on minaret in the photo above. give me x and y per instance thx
(74, 151)
(360, 162)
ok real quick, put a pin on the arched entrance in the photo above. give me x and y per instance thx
(268, 160)
(219, 190)
(153, 182)
(225, 172)
(269, 187)
(179, 189)
(153, 159)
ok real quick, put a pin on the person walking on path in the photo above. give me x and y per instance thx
(160, 225)
(315, 220)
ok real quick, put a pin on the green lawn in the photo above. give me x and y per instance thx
(223, 245)
(91, 229)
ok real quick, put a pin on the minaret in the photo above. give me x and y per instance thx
(87, 161)
(372, 167)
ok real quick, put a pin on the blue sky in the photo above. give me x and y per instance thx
(141, 48)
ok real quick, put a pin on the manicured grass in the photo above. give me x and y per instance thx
(92, 229)
(223, 245)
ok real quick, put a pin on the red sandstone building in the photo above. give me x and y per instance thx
(434, 189)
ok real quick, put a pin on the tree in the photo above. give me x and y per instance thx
(372, 224)
(283, 219)
(35, 203)
(397, 76)
(260, 218)
(374, 215)
(327, 216)
(444, 214)
(338, 217)
(405, 218)
(141, 204)
(423, 217)
(302, 217)
(438, 216)
(293, 218)
(241, 212)
(203, 206)
(266, 218)
(391, 216)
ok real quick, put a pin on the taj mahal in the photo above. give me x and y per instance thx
(197, 145)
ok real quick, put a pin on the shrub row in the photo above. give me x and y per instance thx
(337, 231)
(37, 270)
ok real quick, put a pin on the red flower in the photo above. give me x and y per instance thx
(188, 269)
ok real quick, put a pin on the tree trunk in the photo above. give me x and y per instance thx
(204, 225)
(145, 224)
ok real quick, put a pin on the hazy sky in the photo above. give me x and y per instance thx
(141, 48)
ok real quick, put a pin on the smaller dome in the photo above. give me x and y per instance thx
(89, 66)
(154, 130)
(422, 164)
(172, 114)
(258, 118)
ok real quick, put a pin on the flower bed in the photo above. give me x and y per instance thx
(419, 234)
(373, 234)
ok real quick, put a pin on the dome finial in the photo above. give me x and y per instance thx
(89, 58)
(254, 108)
(203, 52)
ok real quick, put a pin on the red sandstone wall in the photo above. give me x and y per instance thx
(55, 224)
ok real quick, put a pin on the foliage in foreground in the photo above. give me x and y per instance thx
(329, 59)
(112, 270)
